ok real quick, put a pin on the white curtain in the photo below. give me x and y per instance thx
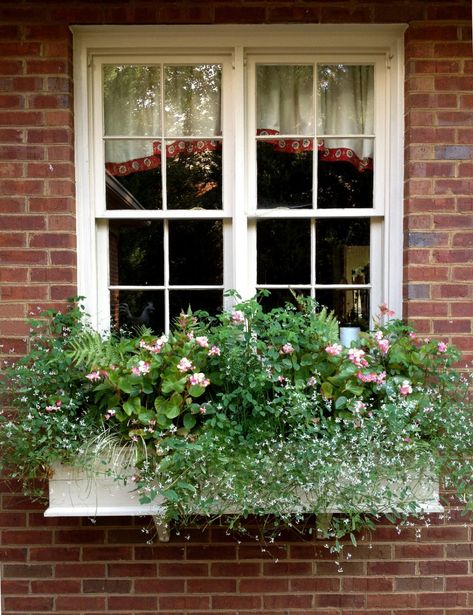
(344, 104)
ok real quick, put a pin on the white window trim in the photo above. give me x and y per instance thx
(239, 43)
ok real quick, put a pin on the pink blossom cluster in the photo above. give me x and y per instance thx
(214, 351)
(405, 388)
(95, 375)
(357, 357)
(185, 365)
(383, 343)
(156, 346)
(238, 318)
(372, 377)
(288, 348)
(199, 379)
(54, 407)
(442, 347)
(110, 412)
(202, 341)
(334, 349)
(143, 367)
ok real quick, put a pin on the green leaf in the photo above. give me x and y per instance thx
(189, 421)
(340, 402)
(195, 390)
(172, 411)
(327, 390)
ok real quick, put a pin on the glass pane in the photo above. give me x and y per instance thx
(345, 173)
(283, 252)
(343, 251)
(352, 307)
(195, 252)
(132, 100)
(194, 174)
(280, 296)
(192, 100)
(136, 253)
(284, 99)
(133, 174)
(210, 301)
(285, 173)
(134, 308)
(345, 100)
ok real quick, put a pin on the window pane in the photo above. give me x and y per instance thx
(132, 308)
(284, 100)
(283, 252)
(136, 253)
(285, 173)
(352, 307)
(195, 252)
(133, 175)
(345, 177)
(192, 100)
(132, 100)
(345, 100)
(279, 297)
(194, 174)
(210, 301)
(343, 251)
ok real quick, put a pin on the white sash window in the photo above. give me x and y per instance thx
(217, 158)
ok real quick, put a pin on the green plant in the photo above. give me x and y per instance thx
(249, 413)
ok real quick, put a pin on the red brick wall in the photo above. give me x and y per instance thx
(74, 566)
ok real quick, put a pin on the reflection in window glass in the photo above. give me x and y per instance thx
(284, 177)
(194, 174)
(284, 99)
(210, 301)
(131, 309)
(283, 252)
(343, 251)
(133, 175)
(192, 100)
(195, 252)
(352, 307)
(132, 100)
(136, 252)
(345, 99)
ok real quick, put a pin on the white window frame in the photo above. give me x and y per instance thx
(239, 47)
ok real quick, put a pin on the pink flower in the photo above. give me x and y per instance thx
(371, 377)
(442, 347)
(202, 341)
(428, 409)
(334, 349)
(111, 412)
(215, 351)
(312, 381)
(202, 410)
(199, 379)
(238, 317)
(184, 365)
(93, 376)
(405, 388)
(356, 356)
(281, 379)
(383, 345)
(143, 367)
(287, 348)
(385, 311)
(56, 406)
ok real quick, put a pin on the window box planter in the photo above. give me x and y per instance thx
(76, 492)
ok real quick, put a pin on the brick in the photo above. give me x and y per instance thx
(463, 239)
(211, 552)
(451, 291)
(452, 49)
(10, 67)
(54, 554)
(132, 569)
(28, 293)
(24, 187)
(227, 602)
(46, 67)
(291, 601)
(26, 537)
(239, 14)
(108, 586)
(49, 135)
(419, 584)
(426, 239)
(27, 571)
(106, 553)
(368, 585)
(21, 152)
(427, 274)
(54, 586)
(52, 240)
(394, 600)
(212, 586)
(184, 569)
(36, 604)
(164, 586)
(12, 101)
(240, 569)
(127, 603)
(13, 554)
(50, 101)
(80, 603)
(21, 118)
(453, 152)
(50, 170)
(391, 568)
(442, 599)
(23, 257)
(13, 240)
(81, 571)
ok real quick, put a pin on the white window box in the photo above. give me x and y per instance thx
(74, 492)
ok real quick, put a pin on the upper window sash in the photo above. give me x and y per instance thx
(99, 137)
(381, 115)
